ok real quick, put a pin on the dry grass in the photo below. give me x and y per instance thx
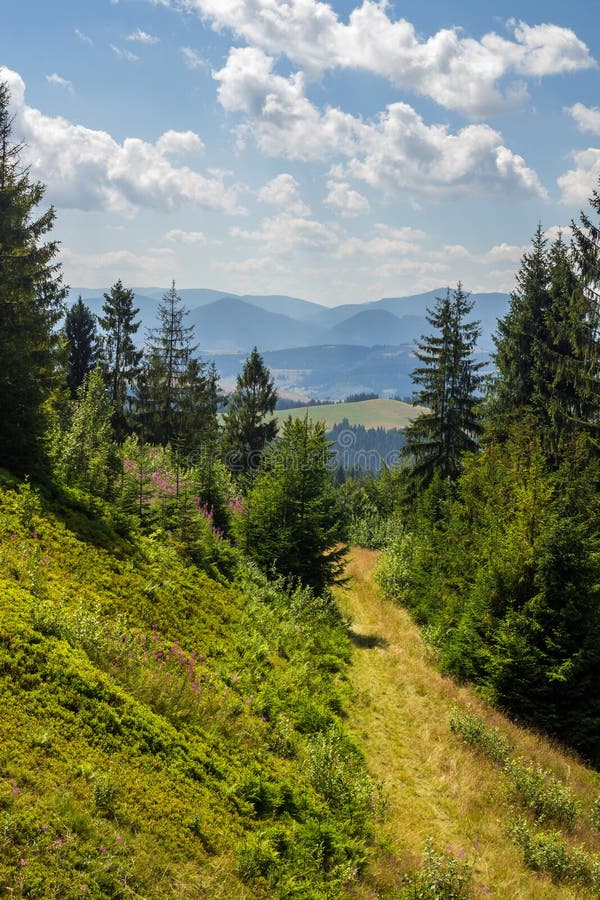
(370, 413)
(435, 784)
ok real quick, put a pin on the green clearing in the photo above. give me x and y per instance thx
(370, 413)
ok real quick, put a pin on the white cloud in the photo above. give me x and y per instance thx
(456, 71)
(192, 58)
(587, 118)
(284, 233)
(84, 38)
(142, 37)
(60, 81)
(178, 236)
(389, 242)
(283, 191)
(102, 268)
(179, 142)
(397, 150)
(505, 253)
(89, 170)
(348, 202)
(578, 183)
(127, 55)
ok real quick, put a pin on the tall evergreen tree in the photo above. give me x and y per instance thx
(82, 342)
(31, 302)
(122, 359)
(249, 423)
(291, 522)
(521, 340)
(169, 351)
(448, 380)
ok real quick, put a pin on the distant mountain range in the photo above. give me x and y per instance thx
(313, 350)
(226, 322)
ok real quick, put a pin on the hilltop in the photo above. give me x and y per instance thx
(379, 413)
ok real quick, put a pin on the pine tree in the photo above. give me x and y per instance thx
(122, 359)
(82, 341)
(169, 351)
(521, 341)
(291, 524)
(449, 380)
(249, 424)
(31, 302)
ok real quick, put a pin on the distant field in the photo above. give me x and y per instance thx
(370, 413)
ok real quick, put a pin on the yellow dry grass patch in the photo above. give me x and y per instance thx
(436, 786)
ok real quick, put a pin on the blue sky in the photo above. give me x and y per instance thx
(337, 151)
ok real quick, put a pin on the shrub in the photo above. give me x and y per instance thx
(547, 851)
(543, 794)
(476, 733)
(441, 877)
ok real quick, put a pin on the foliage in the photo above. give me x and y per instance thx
(249, 425)
(83, 452)
(441, 877)
(82, 343)
(136, 694)
(549, 853)
(31, 302)
(290, 523)
(121, 358)
(477, 734)
(448, 381)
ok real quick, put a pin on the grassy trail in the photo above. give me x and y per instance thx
(436, 786)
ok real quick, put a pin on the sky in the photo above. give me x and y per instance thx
(337, 151)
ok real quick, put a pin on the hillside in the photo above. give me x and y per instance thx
(440, 787)
(165, 734)
(370, 413)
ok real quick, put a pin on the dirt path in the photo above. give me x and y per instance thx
(435, 785)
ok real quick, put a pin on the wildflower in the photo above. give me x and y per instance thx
(44, 828)
(118, 837)
(15, 790)
(57, 842)
(102, 849)
(23, 862)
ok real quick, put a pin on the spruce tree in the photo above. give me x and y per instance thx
(82, 343)
(448, 380)
(249, 423)
(586, 252)
(122, 359)
(291, 521)
(521, 341)
(169, 352)
(31, 303)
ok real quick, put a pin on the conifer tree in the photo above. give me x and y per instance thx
(82, 342)
(249, 423)
(448, 380)
(122, 359)
(169, 351)
(31, 302)
(291, 523)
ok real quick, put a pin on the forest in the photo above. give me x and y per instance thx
(170, 576)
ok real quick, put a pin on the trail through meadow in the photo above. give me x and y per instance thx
(434, 784)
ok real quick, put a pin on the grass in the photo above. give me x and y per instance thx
(439, 788)
(164, 735)
(370, 413)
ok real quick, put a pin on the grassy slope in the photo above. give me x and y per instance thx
(370, 413)
(124, 773)
(437, 786)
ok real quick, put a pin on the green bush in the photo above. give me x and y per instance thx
(476, 733)
(441, 877)
(547, 851)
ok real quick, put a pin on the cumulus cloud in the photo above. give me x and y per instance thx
(344, 200)
(385, 242)
(284, 233)
(100, 268)
(456, 71)
(397, 150)
(142, 37)
(587, 118)
(60, 82)
(179, 142)
(89, 170)
(283, 191)
(577, 184)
